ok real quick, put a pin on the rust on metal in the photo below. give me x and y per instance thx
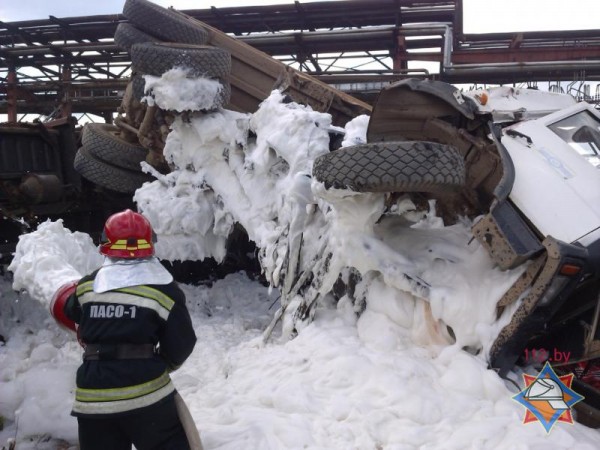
(533, 297)
(521, 284)
(254, 75)
(496, 243)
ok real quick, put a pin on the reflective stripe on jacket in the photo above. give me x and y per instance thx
(118, 400)
(137, 315)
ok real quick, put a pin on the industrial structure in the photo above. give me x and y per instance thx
(57, 67)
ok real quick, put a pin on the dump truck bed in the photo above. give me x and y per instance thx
(254, 75)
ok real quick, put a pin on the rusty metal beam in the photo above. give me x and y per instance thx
(11, 96)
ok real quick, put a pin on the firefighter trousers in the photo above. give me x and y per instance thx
(156, 427)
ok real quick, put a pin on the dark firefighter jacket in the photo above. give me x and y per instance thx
(148, 314)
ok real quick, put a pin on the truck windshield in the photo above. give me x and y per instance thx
(582, 132)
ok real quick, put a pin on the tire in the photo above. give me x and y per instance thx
(107, 176)
(166, 24)
(104, 143)
(221, 99)
(411, 166)
(224, 95)
(126, 35)
(154, 58)
(138, 85)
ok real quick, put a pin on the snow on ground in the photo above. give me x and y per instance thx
(387, 378)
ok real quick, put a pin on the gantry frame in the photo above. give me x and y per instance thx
(59, 66)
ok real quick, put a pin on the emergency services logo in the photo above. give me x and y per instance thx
(548, 398)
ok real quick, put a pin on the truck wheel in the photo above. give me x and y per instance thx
(138, 85)
(392, 167)
(104, 142)
(126, 35)
(166, 24)
(107, 176)
(224, 95)
(153, 58)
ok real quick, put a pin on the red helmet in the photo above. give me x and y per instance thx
(127, 234)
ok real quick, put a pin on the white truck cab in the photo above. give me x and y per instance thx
(557, 182)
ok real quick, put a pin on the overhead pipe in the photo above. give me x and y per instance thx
(449, 68)
(381, 32)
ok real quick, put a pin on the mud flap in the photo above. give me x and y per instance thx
(187, 421)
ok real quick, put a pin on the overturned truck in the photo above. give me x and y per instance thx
(521, 164)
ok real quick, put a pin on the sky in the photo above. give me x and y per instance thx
(480, 15)
(390, 377)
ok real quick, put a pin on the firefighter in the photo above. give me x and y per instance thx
(132, 320)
